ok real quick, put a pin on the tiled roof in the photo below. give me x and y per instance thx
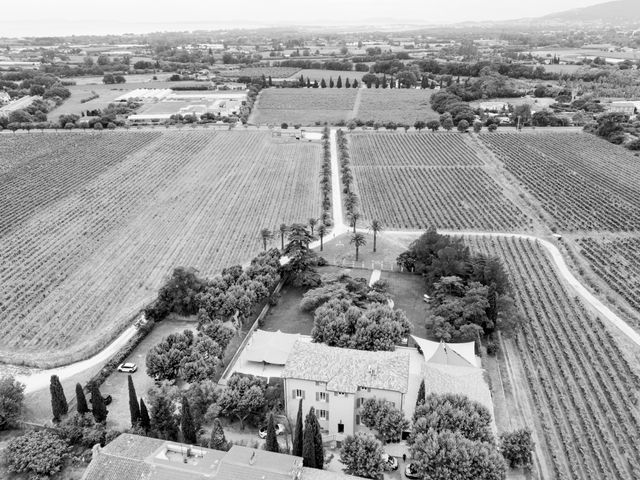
(467, 381)
(133, 446)
(107, 467)
(345, 369)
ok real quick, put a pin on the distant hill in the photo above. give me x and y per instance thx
(619, 11)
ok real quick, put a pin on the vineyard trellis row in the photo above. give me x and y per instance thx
(407, 181)
(73, 271)
(584, 388)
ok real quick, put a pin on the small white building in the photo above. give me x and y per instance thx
(4, 98)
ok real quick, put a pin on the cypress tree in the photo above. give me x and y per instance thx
(323, 84)
(355, 84)
(331, 84)
(189, 434)
(421, 394)
(81, 400)
(270, 81)
(134, 406)
(59, 404)
(164, 423)
(218, 441)
(98, 407)
(308, 442)
(347, 83)
(297, 435)
(271, 444)
(145, 421)
(339, 82)
(317, 442)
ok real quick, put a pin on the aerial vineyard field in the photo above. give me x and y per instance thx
(305, 106)
(617, 262)
(583, 387)
(253, 72)
(396, 105)
(419, 180)
(90, 231)
(583, 182)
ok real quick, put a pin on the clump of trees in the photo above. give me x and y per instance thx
(471, 294)
(517, 447)
(383, 417)
(40, 453)
(11, 402)
(340, 323)
(452, 438)
(362, 455)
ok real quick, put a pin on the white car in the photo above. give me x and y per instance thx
(426, 298)
(127, 367)
(263, 431)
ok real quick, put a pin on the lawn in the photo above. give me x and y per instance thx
(406, 290)
(287, 315)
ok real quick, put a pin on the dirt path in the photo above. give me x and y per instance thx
(40, 378)
(356, 105)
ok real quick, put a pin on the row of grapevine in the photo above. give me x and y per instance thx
(578, 180)
(412, 149)
(617, 262)
(75, 270)
(584, 388)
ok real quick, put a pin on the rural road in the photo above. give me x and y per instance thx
(40, 379)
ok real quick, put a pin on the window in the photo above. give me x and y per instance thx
(323, 414)
(323, 397)
(319, 384)
(360, 389)
(340, 394)
(297, 393)
(360, 402)
(357, 419)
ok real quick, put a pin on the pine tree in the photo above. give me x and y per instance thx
(98, 407)
(145, 421)
(218, 441)
(59, 404)
(297, 436)
(189, 434)
(421, 394)
(81, 400)
(271, 444)
(134, 406)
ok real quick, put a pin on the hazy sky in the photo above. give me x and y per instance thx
(57, 17)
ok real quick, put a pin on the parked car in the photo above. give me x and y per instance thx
(263, 431)
(426, 298)
(411, 471)
(127, 367)
(390, 462)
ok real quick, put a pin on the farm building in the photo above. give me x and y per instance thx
(494, 106)
(134, 457)
(626, 108)
(145, 95)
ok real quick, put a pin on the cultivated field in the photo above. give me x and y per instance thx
(91, 224)
(584, 389)
(396, 105)
(273, 72)
(424, 179)
(583, 182)
(318, 75)
(617, 262)
(305, 106)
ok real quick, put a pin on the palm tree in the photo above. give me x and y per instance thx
(312, 223)
(353, 219)
(358, 240)
(283, 231)
(266, 235)
(322, 231)
(375, 227)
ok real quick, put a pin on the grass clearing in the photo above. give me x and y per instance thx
(396, 105)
